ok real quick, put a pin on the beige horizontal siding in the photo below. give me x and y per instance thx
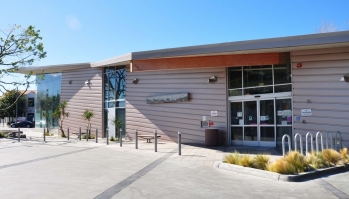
(81, 97)
(169, 118)
(318, 81)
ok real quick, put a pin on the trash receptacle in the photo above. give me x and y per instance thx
(211, 137)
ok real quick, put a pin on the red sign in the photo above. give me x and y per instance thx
(210, 123)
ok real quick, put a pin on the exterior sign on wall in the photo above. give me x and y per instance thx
(204, 124)
(214, 113)
(180, 97)
(203, 118)
(298, 118)
(306, 112)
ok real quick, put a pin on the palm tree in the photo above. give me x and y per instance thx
(87, 115)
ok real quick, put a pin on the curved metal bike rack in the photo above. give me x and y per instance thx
(300, 142)
(340, 141)
(316, 142)
(311, 142)
(283, 144)
(327, 139)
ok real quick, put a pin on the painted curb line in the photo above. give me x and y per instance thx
(281, 177)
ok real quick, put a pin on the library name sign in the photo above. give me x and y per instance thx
(172, 98)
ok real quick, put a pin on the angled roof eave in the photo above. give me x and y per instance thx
(280, 44)
(53, 68)
(118, 60)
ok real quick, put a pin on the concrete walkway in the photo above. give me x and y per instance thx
(81, 169)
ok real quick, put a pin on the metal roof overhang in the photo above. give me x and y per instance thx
(54, 68)
(281, 44)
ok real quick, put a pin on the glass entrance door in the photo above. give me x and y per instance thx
(253, 122)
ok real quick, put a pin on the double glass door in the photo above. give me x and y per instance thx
(253, 122)
(260, 122)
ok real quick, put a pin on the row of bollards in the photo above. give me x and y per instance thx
(120, 137)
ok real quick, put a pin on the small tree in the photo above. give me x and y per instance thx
(46, 115)
(61, 114)
(118, 123)
(87, 115)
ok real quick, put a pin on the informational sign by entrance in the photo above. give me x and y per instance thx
(306, 112)
(204, 124)
(214, 113)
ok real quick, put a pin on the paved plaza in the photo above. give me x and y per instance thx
(79, 169)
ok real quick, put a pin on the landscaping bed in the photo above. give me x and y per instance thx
(293, 167)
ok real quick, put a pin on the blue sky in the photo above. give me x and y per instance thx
(77, 31)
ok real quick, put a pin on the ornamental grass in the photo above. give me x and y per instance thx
(293, 163)
(232, 158)
(245, 161)
(260, 162)
(315, 161)
(332, 157)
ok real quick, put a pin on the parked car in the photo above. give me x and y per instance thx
(23, 124)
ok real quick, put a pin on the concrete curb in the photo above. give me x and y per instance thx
(280, 177)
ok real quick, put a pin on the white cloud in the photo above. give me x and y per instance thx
(73, 22)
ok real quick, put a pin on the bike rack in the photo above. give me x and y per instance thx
(300, 142)
(340, 141)
(311, 142)
(316, 142)
(283, 144)
(330, 140)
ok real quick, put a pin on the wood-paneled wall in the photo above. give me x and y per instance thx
(81, 97)
(169, 118)
(318, 81)
(209, 61)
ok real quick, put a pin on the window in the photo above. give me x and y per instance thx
(253, 80)
(30, 102)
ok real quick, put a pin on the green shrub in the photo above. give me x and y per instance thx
(260, 162)
(112, 138)
(282, 166)
(232, 158)
(89, 137)
(245, 161)
(332, 156)
(297, 160)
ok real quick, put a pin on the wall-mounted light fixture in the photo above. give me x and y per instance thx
(212, 79)
(70, 81)
(345, 78)
(135, 81)
(87, 82)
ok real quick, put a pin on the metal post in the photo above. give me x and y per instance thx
(179, 143)
(68, 133)
(107, 135)
(44, 134)
(19, 134)
(80, 133)
(86, 134)
(96, 135)
(136, 139)
(156, 140)
(120, 136)
(283, 144)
